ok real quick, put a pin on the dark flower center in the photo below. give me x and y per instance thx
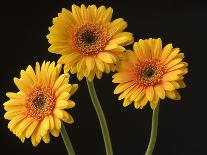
(39, 101)
(148, 73)
(88, 37)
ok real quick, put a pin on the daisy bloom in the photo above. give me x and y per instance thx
(88, 41)
(150, 73)
(39, 106)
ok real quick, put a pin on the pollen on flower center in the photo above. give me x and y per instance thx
(90, 39)
(149, 72)
(40, 102)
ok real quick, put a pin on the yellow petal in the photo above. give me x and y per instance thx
(57, 123)
(141, 50)
(99, 64)
(68, 17)
(46, 138)
(31, 129)
(172, 55)
(154, 102)
(58, 113)
(74, 89)
(173, 95)
(52, 77)
(116, 26)
(67, 117)
(107, 15)
(173, 63)
(92, 11)
(127, 38)
(69, 58)
(23, 125)
(168, 86)
(178, 66)
(127, 102)
(63, 96)
(26, 78)
(33, 140)
(143, 102)
(45, 126)
(166, 51)
(76, 13)
(51, 122)
(100, 13)
(90, 63)
(141, 94)
(157, 47)
(123, 86)
(123, 95)
(129, 94)
(15, 121)
(15, 95)
(37, 71)
(84, 13)
(59, 81)
(171, 76)
(131, 57)
(121, 40)
(136, 93)
(110, 47)
(64, 88)
(175, 84)
(12, 114)
(122, 77)
(21, 85)
(182, 84)
(81, 65)
(62, 104)
(107, 57)
(31, 73)
(55, 132)
(150, 93)
(38, 134)
(159, 91)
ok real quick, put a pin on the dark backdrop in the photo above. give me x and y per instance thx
(182, 124)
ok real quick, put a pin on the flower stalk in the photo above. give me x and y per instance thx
(153, 135)
(66, 140)
(101, 117)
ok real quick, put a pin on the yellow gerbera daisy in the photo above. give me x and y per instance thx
(88, 41)
(39, 105)
(150, 73)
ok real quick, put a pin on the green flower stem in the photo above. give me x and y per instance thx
(153, 135)
(66, 140)
(101, 117)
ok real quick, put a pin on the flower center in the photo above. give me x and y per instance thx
(149, 72)
(40, 102)
(90, 39)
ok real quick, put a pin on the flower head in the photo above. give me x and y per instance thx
(150, 73)
(89, 43)
(40, 104)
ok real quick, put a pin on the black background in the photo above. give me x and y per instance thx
(182, 124)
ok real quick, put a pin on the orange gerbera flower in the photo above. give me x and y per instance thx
(88, 41)
(40, 105)
(150, 73)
